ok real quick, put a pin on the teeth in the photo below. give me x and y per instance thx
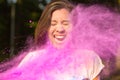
(59, 36)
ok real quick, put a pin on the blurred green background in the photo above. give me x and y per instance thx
(18, 19)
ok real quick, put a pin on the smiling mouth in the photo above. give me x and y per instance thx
(59, 38)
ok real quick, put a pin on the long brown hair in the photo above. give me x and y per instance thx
(45, 19)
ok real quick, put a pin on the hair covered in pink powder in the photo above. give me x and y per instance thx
(96, 29)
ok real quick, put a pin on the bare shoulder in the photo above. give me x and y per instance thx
(31, 56)
(86, 54)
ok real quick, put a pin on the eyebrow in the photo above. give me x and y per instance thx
(53, 21)
(65, 21)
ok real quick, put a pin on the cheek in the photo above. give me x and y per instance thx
(69, 29)
(51, 29)
(69, 32)
(50, 33)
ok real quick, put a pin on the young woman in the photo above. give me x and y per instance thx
(55, 59)
(54, 27)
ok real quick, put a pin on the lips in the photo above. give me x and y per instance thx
(59, 38)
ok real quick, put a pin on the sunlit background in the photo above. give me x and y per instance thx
(18, 19)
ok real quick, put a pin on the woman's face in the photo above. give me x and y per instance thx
(59, 28)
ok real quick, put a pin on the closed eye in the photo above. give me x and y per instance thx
(65, 22)
(53, 23)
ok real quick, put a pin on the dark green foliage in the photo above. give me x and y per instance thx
(25, 11)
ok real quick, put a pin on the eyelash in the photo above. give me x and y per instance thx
(53, 24)
(64, 23)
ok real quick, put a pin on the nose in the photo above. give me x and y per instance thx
(60, 28)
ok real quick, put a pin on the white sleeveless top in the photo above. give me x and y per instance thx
(77, 66)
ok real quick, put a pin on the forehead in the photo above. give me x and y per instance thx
(60, 13)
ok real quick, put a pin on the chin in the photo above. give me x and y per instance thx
(58, 46)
